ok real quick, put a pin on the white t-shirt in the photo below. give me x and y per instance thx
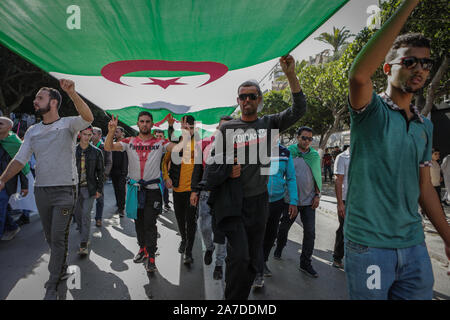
(341, 167)
(144, 158)
(54, 148)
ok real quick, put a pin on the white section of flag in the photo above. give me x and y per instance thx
(221, 93)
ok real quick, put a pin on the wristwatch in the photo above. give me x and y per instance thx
(317, 195)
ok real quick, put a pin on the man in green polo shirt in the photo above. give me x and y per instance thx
(385, 253)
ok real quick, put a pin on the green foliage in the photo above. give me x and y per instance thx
(336, 39)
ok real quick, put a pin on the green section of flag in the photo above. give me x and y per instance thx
(236, 33)
(129, 115)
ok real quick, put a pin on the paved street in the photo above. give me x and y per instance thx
(109, 272)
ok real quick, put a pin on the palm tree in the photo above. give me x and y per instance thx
(336, 39)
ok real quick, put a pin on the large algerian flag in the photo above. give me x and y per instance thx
(165, 56)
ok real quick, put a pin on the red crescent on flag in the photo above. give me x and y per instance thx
(113, 71)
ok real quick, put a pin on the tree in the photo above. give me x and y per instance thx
(336, 39)
(431, 18)
(20, 81)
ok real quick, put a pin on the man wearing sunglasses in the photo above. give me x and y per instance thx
(309, 183)
(385, 253)
(245, 230)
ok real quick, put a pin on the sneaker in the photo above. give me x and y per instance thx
(277, 253)
(208, 257)
(259, 281)
(65, 274)
(140, 256)
(188, 258)
(218, 273)
(83, 251)
(267, 272)
(9, 235)
(338, 264)
(98, 223)
(309, 270)
(149, 264)
(51, 294)
(182, 247)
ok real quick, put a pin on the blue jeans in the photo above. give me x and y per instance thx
(388, 274)
(99, 207)
(6, 221)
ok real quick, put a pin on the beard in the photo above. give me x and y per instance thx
(407, 89)
(144, 130)
(249, 111)
(43, 110)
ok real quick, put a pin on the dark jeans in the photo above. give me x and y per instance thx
(308, 217)
(245, 236)
(275, 210)
(186, 216)
(145, 223)
(327, 169)
(338, 254)
(119, 183)
(165, 194)
(100, 203)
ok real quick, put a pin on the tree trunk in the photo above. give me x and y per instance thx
(333, 128)
(433, 86)
(420, 100)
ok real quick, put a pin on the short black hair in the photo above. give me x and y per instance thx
(304, 128)
(346, 146)
(226, 118)
(53, 94)
(407, 40)
(145, 113)
(251, 83)
(433, 150)
(189, 119)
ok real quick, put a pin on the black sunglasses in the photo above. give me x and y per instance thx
(411, 62)
(244, 96)
(306, 138)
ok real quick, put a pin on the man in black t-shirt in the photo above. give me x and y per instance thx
(249, 135)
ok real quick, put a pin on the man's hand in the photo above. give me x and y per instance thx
(170, 120)
(341, 210)
(194, 199)
(24, 192)
(2, 185)
(112, 124)
(315, 203)
(447, 252)
(97, 195)
(236, 172)
(293, 211)
(287, 64)
(67, 85)
(168, 182)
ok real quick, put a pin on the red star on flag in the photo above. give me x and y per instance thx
(165, 83)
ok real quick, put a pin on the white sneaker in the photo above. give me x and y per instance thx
(9, 235)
